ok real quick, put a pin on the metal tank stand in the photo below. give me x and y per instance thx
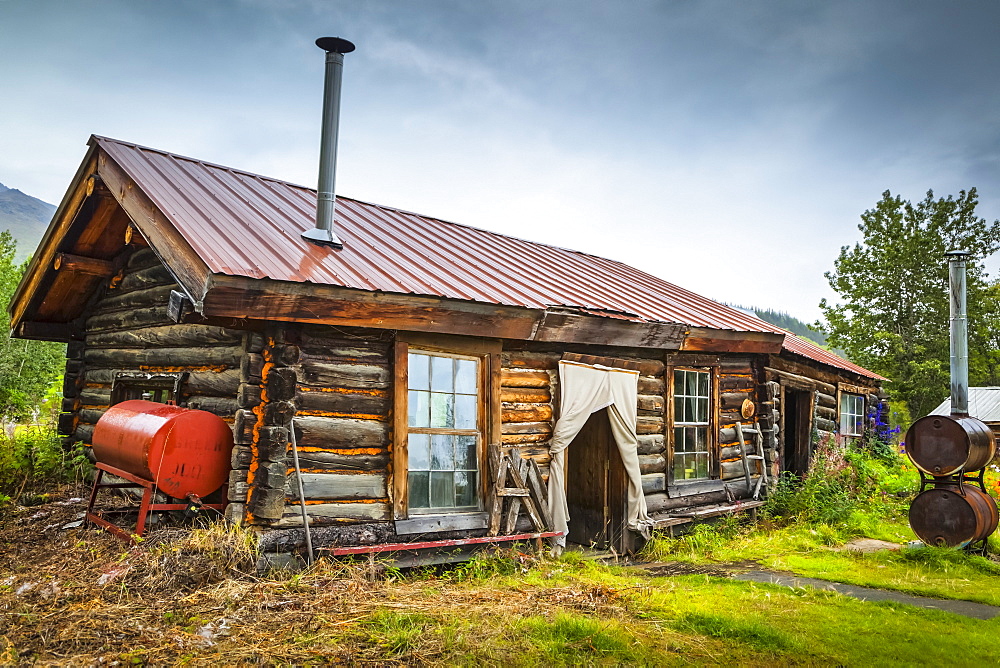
(145, 507)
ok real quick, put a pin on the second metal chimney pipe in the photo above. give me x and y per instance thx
(959, 332)
(323, 233)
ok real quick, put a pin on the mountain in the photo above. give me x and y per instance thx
(25, 216)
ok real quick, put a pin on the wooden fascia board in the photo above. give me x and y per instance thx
(727, 341)
(261, 299)
(176, 254)
(43, 257)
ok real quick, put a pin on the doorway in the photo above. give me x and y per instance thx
(596, 487)
(797, 411)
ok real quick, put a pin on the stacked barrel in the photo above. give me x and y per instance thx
(953, 508)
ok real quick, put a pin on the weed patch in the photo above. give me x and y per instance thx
(751, 631)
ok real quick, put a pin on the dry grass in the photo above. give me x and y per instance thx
(78, 596)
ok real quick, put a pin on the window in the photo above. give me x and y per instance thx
(852, 414)
(443, 432)
(161, 388)
(692, 442)
(446, 398)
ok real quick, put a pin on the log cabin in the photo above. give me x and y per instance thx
(391, 365)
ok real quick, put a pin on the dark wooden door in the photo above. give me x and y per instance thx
(798, 431)
(596, 486)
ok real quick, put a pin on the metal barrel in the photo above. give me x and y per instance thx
(942, 445)
(949, 516)
(183, 451)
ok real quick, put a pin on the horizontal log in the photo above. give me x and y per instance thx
(166, 336)
(339, 486)
(652, 464)
(800, 381)
(525, 378)
(826, 413)
(661, 503)
(84, 433)
(336, 511)
(327, 374)
(651, 444)
(332, 433)
(142, 258)
(145, 278)
(544, 428)
(357, 354)
(90, 415)
(741, 383)
(70, 405)
(66, 423)
(169, 357)
(649, 425)
(734, 400)
(526, 395)
(95, 397)
(518, 439)
(216, 383)
(651, 403)
(221, 406)
(651, 385)
(343, 460)
(825, 425)
(731, 470)
(280, 384)
(526, 413)
(528, 360)
(248, 395)
(251, 367)
(827, 400)
(131, 319)
(356, 403)
(653, 483)
(315, 341)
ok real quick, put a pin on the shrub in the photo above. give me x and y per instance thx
(32, 457)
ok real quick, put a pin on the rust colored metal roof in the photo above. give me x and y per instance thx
(806, 348)
(242, 224)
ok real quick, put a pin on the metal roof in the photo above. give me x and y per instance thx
(984, 403)
(806, 348)
(243, 224)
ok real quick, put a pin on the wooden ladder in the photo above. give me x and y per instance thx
(754, 489)
(516, 481)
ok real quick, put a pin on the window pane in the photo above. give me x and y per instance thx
(465, 411)
(466, 380)
(691, 383)
(701, 439)
(442, 452)
(419, 450)
(678, 410)
(419, 489)
(702, 410)
(703, 384)
(442, 410)
(419, 409)
(690, 409)
(678, 382)
(417, 371)
(465, 453)
(442, 489)
(442, 369)
(465, 488)
(701, 469)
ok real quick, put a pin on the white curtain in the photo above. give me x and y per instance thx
(586, 389)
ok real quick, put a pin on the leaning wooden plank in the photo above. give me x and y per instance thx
(514, 507)
(529, 503)
(498, 472)
(538, 492)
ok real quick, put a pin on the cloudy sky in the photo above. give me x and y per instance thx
(726, 146)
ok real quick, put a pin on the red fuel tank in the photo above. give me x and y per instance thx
(183, 451)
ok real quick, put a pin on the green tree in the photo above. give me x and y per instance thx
(27, 368)
(894, 287)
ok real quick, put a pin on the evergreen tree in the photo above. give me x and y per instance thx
(894, 287)
(27, 368)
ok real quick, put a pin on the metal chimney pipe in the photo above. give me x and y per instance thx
(323, 233)
(959, 332)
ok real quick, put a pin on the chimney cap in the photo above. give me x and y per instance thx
(957, 253)
(335, 45)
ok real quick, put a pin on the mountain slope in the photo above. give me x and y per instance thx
(25, 216)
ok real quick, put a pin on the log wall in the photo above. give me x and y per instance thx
(339, 383)
(126, 328)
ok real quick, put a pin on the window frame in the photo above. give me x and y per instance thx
(126, 382)
(487, 353)
(711, 425)
(859, 423)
